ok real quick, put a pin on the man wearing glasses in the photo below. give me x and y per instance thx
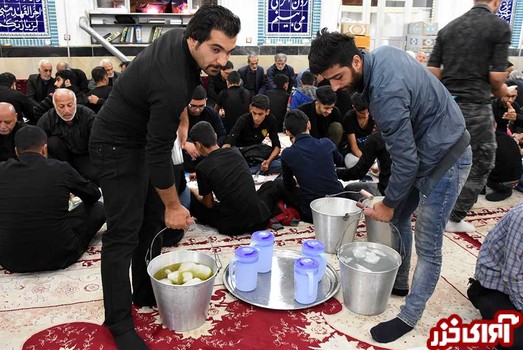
(198, 111)
(40, 85)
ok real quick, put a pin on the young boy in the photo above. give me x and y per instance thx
(311, 161)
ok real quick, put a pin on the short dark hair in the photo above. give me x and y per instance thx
(325, 95)
(261, 102)
(125, 63)
(7, 79)
(30, 138)
(234, 78)
(329, 49)
(210, 17)
(280, 80)
(228, 65)
(199, 93)
(98, 73)
(203, 133)
(358, 102)
(308, 78)
(295, 122)
(67, 74)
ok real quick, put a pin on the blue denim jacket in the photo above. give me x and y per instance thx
(423, 127)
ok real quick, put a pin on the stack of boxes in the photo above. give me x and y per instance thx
(360, 32)
(421, 36)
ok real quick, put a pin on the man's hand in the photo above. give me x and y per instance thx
(190, 148)
(380, 212)
(510, 114)
(183, 128)
(178, 217)
(93, 99)
(265, 165)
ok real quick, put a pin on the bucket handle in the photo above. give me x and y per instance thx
(345, 218)
(149, 253)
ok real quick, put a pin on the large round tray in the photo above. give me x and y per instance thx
(275, 289)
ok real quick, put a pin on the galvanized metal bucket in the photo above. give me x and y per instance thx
(183, 308)
(367, 292)
(335, 221)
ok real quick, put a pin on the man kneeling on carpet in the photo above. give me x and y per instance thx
(37, 232)
(499, 272)
(225, 173)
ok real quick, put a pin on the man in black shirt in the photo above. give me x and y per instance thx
(100, 93)
(37, 232)
(198, 111)
(8, 128)
(249, 132)
(233, 102)
(280, 66)
(68, 128)
(324, 116)
(40, 85)
(81, 78)
(8, 93)
(471, 62)
(224, 172)
(218, 83)
(131, 145)
(279, 98)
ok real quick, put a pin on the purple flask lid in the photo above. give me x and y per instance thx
(313, 245)
(246, 254)
(306, 263)
(264, 238)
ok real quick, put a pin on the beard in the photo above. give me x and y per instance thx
(356, 85)
(66, 118)
(212, 69)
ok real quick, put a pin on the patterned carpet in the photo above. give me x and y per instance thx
(64, 309)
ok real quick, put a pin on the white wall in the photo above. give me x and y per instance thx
(330, 14)
(448, 10)
(247, 10)
(68, 13)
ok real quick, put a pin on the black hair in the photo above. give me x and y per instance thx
(7, 79)
(280, 80)
(125, 63)
(358, 102)
(228, 65)
(261, 102)
(325, 95)
(234, 78)
(30, 138)
(210, 17)
(329, 49)
(199, 93)
(203, 133)
(98, 73)
(307, 78)
(295, 122)
(67, 74)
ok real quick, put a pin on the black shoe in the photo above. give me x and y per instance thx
(498, 196)
(399, 292)
(484, 190)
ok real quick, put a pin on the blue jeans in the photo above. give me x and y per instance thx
(275, 167)
(432, 216)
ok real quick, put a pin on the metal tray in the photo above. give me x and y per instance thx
(275, 289)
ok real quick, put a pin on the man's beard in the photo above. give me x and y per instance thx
(68, 119)
(357, 82)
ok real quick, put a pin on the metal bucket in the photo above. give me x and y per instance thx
(367, 292)
(377, 231)
(183, 308)
(335, 221)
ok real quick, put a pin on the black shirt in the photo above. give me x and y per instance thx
(144, 108)
(468, 48)
(225, 173)
(351, 126)
(210, 115)
(508, 159)
(22, 104)
(279, 99)
(319, 123)
(7, 143)
(102, 92)
(34, 201)
(216, 84)
(499, 109)
(235, 102)
(74, 136)
(245, 133)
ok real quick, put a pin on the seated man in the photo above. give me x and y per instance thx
(311, 162)
(68, 127)
(108, 66)
(358, 124)
(232, 102)
(279, 98)
(280, 66)
(8, 128)
(374, 149)
(253, 75)
(305, 93)
(100, 93)
(498, 283)
(81, 78)
(507, 112)
(40, 85)
(8, 93)
(37, 232)
(198, 111)
(324, 117)
(218, 83)
(249, 132)
(224, 173)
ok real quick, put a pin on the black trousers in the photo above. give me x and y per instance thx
(135, 213)
(490, 301)
(80, 162)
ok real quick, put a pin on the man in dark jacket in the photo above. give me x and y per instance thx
(253, 75)
(37, 232)
(68, 128)
(131, 146)
(8, 93)
(218, 83)
(279, 98)
(280, 66)
(233, 102)
(8, 128)
(40, 85)
(100, 93)
(81, 79)
(428, 145)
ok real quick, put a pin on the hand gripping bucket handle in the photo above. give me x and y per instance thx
(149, 253)
(368, 196)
